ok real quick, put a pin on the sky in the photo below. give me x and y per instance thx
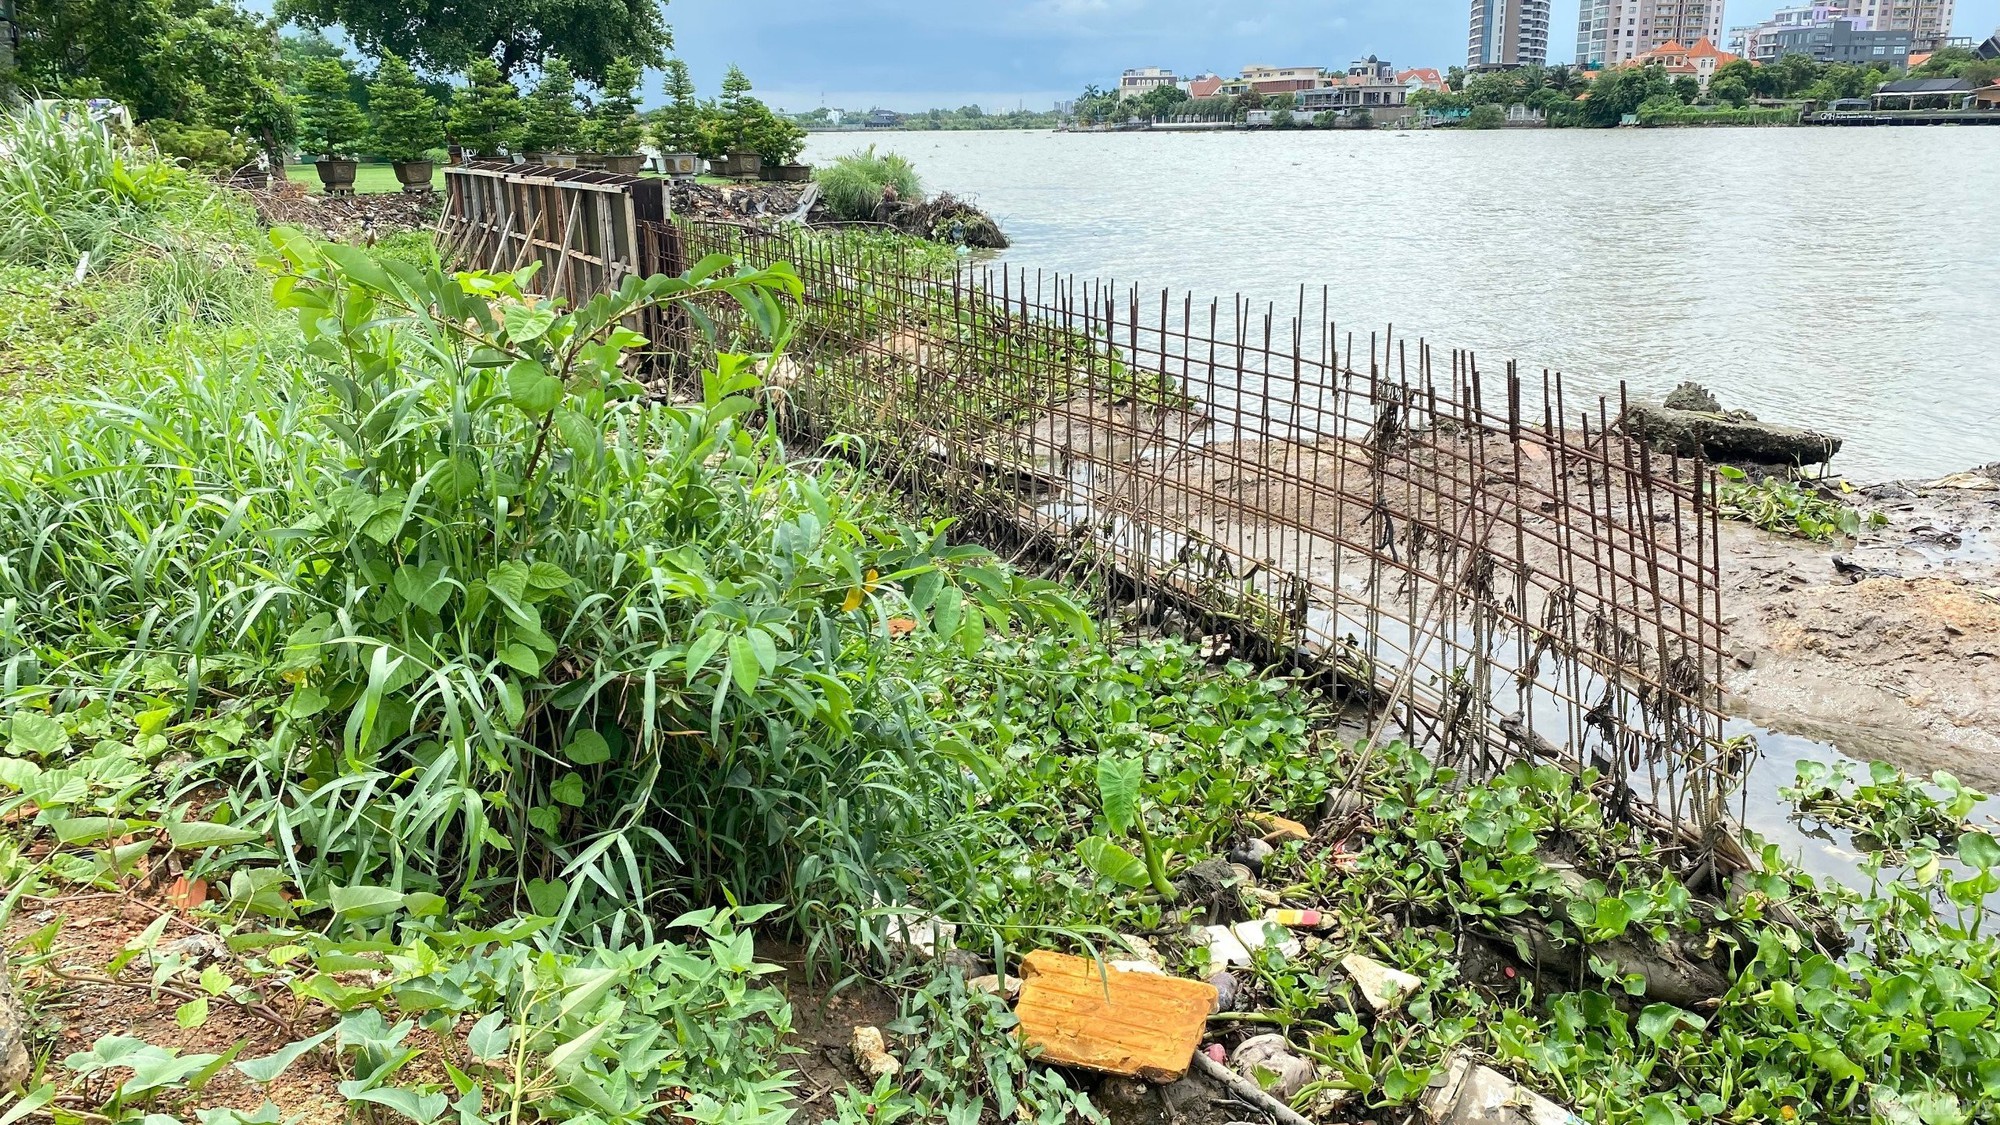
(916, 54)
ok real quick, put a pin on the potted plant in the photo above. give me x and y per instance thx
(330, 124)
(406, 122)
(678, 133)
(614, 121)
(486, 114)
(553, 120)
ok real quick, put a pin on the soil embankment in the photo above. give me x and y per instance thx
(1887, 646)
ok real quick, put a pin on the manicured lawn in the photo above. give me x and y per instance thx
(367, 179)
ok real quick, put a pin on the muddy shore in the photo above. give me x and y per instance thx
(1893, 651)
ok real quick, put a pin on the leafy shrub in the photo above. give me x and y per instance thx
(1485, 117)
(853, 184)
(204, 147)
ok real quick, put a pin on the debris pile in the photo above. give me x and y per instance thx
(1690, 422)
(942, 218)
(345, 218)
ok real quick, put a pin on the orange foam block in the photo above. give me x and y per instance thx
(1140, 1025)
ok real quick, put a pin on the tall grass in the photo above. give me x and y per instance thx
(852, 185)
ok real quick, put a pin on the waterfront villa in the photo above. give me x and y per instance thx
(1700, 61)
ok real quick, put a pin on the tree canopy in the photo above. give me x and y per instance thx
(330, 124)
(439, 35)
(614, 120)
(203, 63)
(407, 121)
(554, 123)
(486, 113)
(678, 126)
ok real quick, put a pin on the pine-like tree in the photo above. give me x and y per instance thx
(486, 114)
(407, 125)
(614, 121)
(679, 128)
(553, 122)
(330, 124)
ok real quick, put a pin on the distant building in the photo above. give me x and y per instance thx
(1611, 32)
(1269, 80)
(1509, 33)
(1369, 84)
(1837, 42)
(1135, 83)
(1989, 98)
(1926, 93)
(1991, 48)
(1422, 78)
(1928, 22)
(1202, 85)
(882, 119)
(1699, 62)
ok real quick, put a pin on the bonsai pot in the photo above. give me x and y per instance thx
(414, 175)
(794, 173)
(336, 176)
(534, 156)
(720, 167)
(559, 159)
(590, 160)
(745, 165)
(625, 165)
(680, 163)
(455, 154)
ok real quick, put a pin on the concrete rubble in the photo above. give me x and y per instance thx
(1384, 988)
(1690, 423)
(1472, 1094)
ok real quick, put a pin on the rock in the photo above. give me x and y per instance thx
(968, 963)
(871, 1053)
(1092, 1017)
(1471, 1094)
(1187, 1097)
(1692, 396)
(1278, 830)
(1251, 854)
(1138, 967)
(15, 1066)
(1004, 987)
(1268, 1061)
(1208, 880)
(1719, 437)
(1226, 990)
(1384, 988)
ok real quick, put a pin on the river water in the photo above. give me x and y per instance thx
(1843, 279)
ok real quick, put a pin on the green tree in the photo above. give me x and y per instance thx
(1687, 88)
(1163, 101)
(407, 121)
(1621, 91)
(1486, 115)
(554, 121)
(486, 113)
(437, 36)
(330, 124)
(196, 62)
(1730, 91)
(678, 126)
(614, 120)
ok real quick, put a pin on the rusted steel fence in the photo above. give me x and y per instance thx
(1482, 556)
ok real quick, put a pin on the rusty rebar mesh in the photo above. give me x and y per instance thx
(1498, 567)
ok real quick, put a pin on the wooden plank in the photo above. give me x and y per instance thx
(1136, 1024)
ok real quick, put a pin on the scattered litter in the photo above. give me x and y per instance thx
(1268, 1061)
(1232, 945)
(1297, 919)
(921, 934)
(1278, 830)
(1004, 987)
(1142, 949)
(872, 1055)
(1096, 1018)
(1970, 481)
(1138, 967)
(1384, 988)
(1471, 1094)
(1216, 1051)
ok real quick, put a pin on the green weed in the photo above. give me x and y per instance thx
(1785, 506)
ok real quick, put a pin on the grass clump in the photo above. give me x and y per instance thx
(853, 185)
